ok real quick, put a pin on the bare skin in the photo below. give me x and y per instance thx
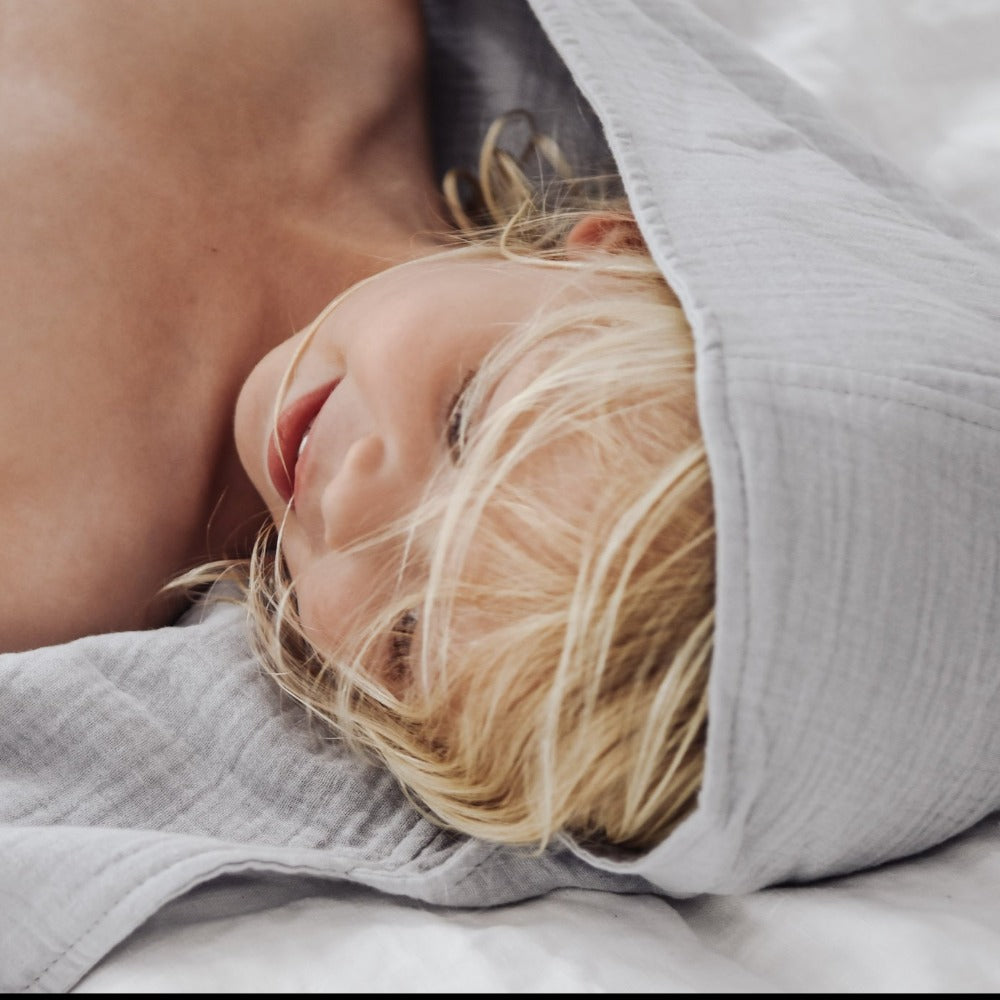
(183, 185)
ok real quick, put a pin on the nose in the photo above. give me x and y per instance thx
(365, 495)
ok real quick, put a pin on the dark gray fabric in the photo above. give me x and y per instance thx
(488, 58)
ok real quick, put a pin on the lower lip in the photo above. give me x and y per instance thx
(283, 444)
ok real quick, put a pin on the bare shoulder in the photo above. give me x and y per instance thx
(160, 59)
(172, 184)
(158, 161)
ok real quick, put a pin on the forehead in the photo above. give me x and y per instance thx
(512, 376)
(454, 289)
(523, 452)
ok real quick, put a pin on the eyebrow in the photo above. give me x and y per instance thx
(453, 430)
(513, 368)
(501, 375)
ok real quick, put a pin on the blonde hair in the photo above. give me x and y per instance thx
(556, 676)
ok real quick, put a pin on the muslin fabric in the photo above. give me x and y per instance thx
(847, 327)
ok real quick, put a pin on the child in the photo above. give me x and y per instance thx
(493, 560)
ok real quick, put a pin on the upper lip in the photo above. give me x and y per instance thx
(283, 445)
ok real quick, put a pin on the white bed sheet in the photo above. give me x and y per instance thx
(919, 79)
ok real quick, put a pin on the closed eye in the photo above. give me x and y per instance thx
(401, 644)
(457, 427)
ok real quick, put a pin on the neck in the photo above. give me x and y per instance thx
(363, 194)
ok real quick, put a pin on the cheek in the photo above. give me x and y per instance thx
(337, 594)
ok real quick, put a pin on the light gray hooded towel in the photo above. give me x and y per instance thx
(847, 328)
(848, 339)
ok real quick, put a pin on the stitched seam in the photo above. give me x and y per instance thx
(95, 923)
(488, 856)
(855, 394)
(351, 871)
(822, 366)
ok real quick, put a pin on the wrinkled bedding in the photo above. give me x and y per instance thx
(929, 922)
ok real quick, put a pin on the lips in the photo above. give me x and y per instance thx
(285, 443)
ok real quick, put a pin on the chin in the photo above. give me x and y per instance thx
(250, 430)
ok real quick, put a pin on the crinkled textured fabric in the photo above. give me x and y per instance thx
(137, 766)
(847, 327)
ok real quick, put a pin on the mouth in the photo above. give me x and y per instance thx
(288, 439)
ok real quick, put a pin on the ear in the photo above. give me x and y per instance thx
(604, 232)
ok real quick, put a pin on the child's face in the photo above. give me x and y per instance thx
(364, 425)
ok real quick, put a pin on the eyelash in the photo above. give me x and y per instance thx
(401, 641)
(454, 432)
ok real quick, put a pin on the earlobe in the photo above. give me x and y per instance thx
(605, 232)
